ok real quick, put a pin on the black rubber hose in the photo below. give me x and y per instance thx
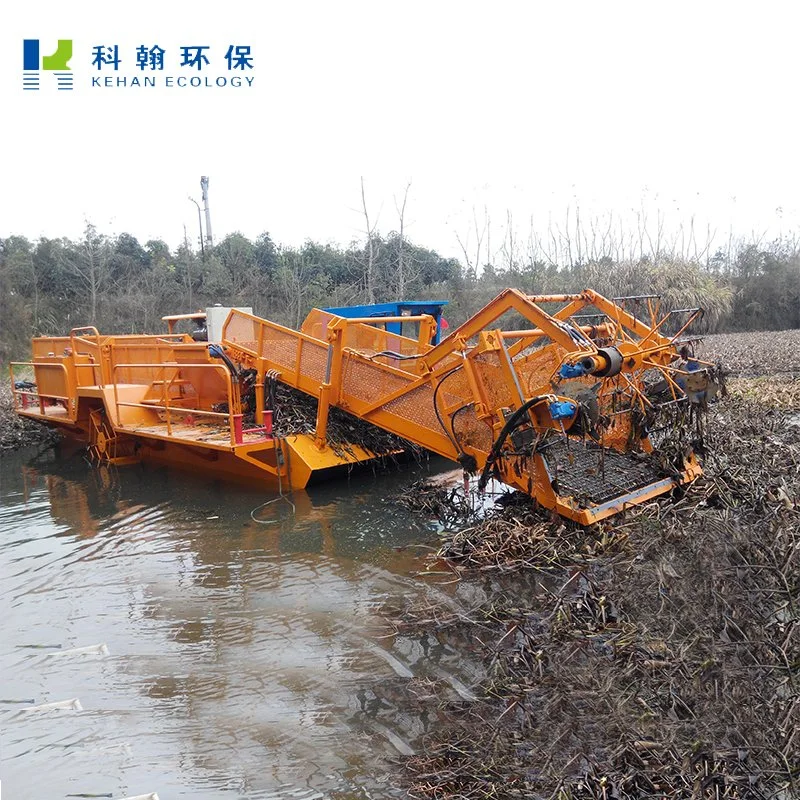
(512, 422)
(398, 356)
(468, 463)
(217, 352)
(436, 408)
(456, 413)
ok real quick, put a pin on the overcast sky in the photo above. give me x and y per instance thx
(528, 107)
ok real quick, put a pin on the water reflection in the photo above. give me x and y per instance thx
(245, 659)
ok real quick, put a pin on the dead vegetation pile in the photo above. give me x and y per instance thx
(770, 353)
(296, 412)
(442, 501)
(17, 432)
(659, 655)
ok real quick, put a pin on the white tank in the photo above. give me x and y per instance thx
(215, 319)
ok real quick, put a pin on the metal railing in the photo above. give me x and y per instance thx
(166, 385)
(76, 338)
(39, 397)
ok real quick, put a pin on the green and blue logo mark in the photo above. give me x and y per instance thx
(57, 64)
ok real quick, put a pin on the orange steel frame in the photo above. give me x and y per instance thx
(155, 400)
(452, 398)
(400, 395)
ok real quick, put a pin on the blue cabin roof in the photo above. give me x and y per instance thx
(400, 308)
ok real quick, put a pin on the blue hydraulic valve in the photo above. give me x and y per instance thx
(562, 409)
(572, 370)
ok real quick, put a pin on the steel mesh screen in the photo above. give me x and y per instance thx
(243, 331)
(417, 407)
(280, 347)
(368, 382)
(535, 371)
(487, 365)
(369, 339)
(313, 360)
(472, 432)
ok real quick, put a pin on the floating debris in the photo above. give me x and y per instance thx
(449, 504)
(151, 796)
(90, 794)
(755, 352)
(90, 650)
(60, 705)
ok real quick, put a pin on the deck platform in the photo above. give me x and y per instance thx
(200, 434)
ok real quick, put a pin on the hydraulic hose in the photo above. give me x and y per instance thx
(511, 423)
(436, 407)
(215, 351)
(398, 356)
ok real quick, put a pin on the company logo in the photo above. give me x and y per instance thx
(146, 66)
(57, 64)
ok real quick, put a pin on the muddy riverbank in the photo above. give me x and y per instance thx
(16, 432)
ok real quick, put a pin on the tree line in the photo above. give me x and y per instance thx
(121, 285)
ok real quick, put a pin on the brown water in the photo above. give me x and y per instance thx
(241, 660)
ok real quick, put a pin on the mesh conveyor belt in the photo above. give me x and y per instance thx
(592, 474)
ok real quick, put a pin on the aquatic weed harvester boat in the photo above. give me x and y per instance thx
(584, 406)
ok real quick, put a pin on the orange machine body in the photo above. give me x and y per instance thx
(555, 408)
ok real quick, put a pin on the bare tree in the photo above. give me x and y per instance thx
(481, 232)
(510, 246)
(371, 248)
(401, 264)
(187, 264)
(90, 262)
(300, 287)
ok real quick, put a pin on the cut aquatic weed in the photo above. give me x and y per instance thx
(656, 657)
